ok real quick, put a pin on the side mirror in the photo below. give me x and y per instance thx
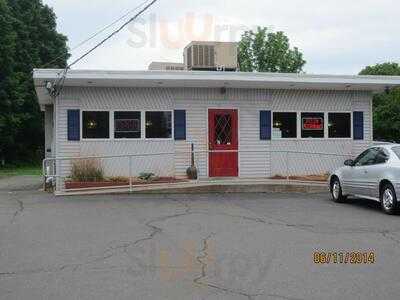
(349, 163)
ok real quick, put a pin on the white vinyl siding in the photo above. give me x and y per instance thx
(196, 102)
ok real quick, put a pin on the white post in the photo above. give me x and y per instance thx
(287, 166)
(44, 173)
(130, 175)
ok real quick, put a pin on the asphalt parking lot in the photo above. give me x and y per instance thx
(206, 246)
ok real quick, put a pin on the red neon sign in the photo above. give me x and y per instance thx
(313, 124)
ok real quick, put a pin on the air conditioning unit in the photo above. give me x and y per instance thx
(211, 56)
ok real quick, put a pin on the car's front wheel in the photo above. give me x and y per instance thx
(336, 191)
(389, 199)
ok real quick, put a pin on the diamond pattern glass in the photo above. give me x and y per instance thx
(223, 129)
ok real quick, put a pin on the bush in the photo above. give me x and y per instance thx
(148, 177)
(87, 170)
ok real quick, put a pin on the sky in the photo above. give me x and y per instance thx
(335, 36)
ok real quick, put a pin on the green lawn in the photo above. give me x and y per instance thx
(20, 171)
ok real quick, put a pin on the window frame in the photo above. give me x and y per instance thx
(377, 149)
(142, 125)
(351, 125)
(301, 125)
(297, 124)
(362, 155)
(110, 125)
(172, 125)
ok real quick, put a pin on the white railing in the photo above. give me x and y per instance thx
(263, 163)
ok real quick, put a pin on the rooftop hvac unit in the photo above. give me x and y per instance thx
(211, 56)
(166, 66)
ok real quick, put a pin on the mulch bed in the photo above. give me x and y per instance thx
(321, 178)
(103, 184)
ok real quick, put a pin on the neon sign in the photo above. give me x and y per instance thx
(313, 123)
(127, 125)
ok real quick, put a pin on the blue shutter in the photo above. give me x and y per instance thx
(265, 125)
(180, 125)
(74, 130)
(358, 125)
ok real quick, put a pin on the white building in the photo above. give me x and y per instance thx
(257, 117)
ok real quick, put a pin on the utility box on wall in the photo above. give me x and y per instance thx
(211, 56)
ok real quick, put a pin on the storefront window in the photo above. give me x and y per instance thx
(312, 125)
(158, 124)
(284, 125)
(96, 125)
(127, 125)
(339, 125)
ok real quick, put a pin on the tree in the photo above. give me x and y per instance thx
(264, 51)
(28, 39)
(386, 105)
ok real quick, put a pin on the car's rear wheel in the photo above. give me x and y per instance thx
(389, 199)
(336, 191)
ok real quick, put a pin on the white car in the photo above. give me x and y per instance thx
(374, 174)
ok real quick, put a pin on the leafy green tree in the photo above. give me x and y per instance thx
(388, 69)
(386, 105)
(264, 51)
(28, 39)
(7, 49)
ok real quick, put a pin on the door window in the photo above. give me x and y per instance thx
(223, 129)
(366, 158)
(382, 156)
(372, 156)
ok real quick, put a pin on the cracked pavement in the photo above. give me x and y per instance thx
(205, 246)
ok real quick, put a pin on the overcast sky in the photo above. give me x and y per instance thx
(336, 36)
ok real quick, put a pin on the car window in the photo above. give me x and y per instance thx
(396, 150)
(382, 156)
(366, 158)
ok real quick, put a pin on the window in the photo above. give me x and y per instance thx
(96, 124)
(339, 125)
(223, 129)
(366, 158)
(127, 125)
(382, 156)
(284, 125)
(312, 125)
(158, 125)
(396, 150)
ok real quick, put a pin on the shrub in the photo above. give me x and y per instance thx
(87, 170)
(147, 176)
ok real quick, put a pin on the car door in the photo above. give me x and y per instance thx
(348, 177)
(360, 181)
(375, 171)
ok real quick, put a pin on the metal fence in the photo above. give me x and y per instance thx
(125, 169)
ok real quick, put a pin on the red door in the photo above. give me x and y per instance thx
(223, 136)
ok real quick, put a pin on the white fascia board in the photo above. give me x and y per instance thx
(216, 79)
